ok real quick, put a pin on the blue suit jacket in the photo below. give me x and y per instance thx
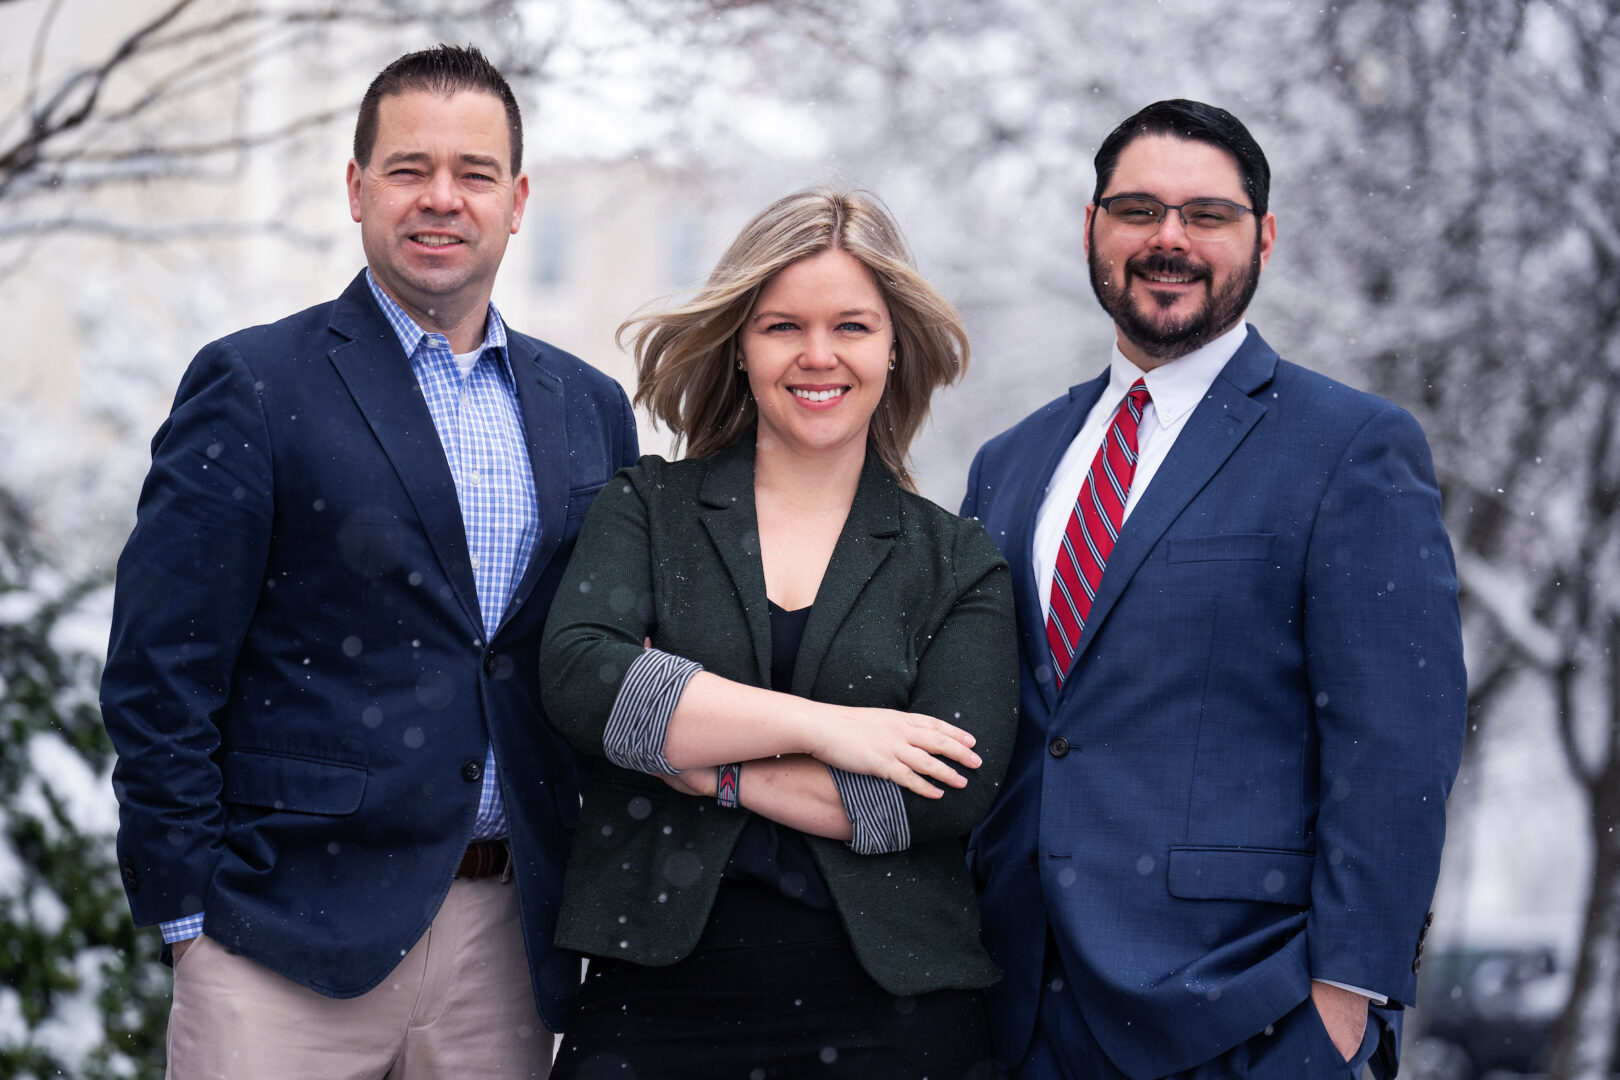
(298, 684)
(1263, 722)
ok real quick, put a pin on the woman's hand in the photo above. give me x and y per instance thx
(717, 720)
(893, 745)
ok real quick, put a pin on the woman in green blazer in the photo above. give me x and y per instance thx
(795, 680)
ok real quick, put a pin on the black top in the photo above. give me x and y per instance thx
(772, 853)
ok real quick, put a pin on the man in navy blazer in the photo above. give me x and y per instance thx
(323, 680)
(1215, 849)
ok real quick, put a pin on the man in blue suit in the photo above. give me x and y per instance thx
(339, 795)
(1243, 689)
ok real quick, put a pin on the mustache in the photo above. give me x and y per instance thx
(1174, 265)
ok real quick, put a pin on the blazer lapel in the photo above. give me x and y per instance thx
(866, 541)
(545, 425)
(726, 507)
(378, 374)
(1214, 430)
(1050, 444)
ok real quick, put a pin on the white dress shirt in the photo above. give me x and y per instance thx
(1176, 389)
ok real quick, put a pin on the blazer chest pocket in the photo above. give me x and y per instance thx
(299, 784)
(1225, 547)
(580, 498)
(1269, 875)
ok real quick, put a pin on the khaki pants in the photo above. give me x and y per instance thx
(460, 1004)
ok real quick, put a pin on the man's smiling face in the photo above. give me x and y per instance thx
(1169, 291)
(437, 201)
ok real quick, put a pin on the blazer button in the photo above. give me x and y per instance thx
(490, 664)
(1058, 746)
(472, 771)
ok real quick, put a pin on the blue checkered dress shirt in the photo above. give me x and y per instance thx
(480, 426)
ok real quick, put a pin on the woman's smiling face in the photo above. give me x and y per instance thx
(817, 348)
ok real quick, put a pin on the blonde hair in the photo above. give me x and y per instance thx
(686, 355)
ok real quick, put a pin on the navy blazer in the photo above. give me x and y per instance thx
(1259, 730)
(298, 684)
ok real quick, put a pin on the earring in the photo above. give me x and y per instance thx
(891, 362)
(894, 353)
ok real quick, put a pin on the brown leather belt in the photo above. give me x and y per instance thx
(485, 858)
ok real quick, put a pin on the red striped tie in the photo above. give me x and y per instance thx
(1093, 528)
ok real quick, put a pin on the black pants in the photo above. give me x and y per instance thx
(772, 991)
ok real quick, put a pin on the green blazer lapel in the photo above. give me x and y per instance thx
(726, 508)
(866, 541)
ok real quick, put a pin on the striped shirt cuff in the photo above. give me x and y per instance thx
(183, 929)
(875, 810)
(634, 736)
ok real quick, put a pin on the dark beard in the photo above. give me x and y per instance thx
(1220, 312)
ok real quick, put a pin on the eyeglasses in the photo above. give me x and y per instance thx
(1208, 218)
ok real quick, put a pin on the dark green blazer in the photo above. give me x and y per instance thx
(915, 612)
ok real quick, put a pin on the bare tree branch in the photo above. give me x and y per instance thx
(116, 120)
(36, 58)
(178, 151)
(42, 122)
(165, 233)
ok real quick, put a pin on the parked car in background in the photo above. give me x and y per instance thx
(1488, 1011)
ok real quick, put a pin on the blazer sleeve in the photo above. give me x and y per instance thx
(188, 581)
(629, 442)
(601, 617)
(970, 498)
(1385, 667)
(968, 676)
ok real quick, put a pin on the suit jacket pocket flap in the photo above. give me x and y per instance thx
(300, 784)
(1219, 548)
(579, 499)
(1270, 875)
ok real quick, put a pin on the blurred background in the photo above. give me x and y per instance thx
(1446, 178)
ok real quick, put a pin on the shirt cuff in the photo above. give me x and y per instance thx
(1376, 999)
(183, 929)
(875, 810)
(634, 736)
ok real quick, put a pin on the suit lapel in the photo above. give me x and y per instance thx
(378, 374)
(1051, 443)
(726, 507)
(867, 539)
(545, 426)
(1219, 423)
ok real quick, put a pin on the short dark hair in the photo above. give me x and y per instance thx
(1201, 123)
(444, 70)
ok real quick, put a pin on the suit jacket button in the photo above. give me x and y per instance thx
(1058, 746)
(472, 771)
(490, 664)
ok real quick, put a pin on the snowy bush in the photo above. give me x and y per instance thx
(81, 992)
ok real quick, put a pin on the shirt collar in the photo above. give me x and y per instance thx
(1177, 387)
(411, 335)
